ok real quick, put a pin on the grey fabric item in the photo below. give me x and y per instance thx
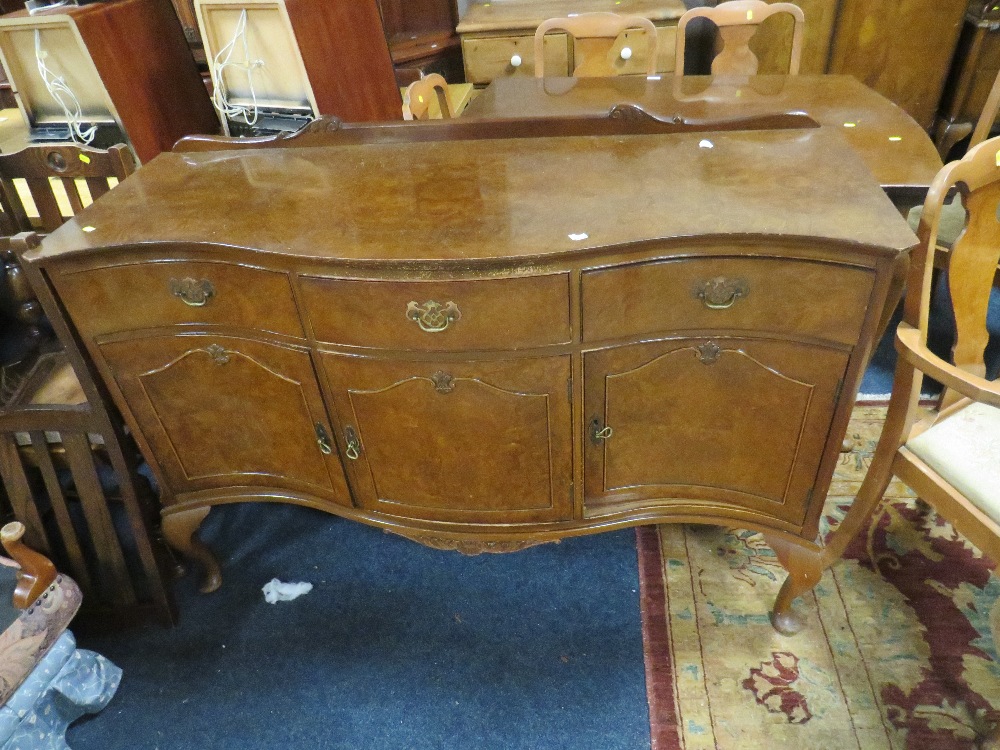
(8, 582)
(65, 685)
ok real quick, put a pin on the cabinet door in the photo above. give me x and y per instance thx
(735, 421)
(222, 411)
(483, 442)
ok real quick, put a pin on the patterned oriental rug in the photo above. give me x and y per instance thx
(896, 653)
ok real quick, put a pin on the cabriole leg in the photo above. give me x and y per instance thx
(180, 529)
(804, 564)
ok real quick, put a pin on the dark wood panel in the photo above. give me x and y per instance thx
(901, 49)
(347, 59)
(146, 65)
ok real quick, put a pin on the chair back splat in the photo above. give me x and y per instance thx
(603, 44)
(737, 22)
(421, 93)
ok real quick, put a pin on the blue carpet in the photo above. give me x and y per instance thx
(397, 646)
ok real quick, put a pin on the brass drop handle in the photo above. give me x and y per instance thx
(599, 432)
(323, 440)
(721, 293)
(192, 292)
(433, 317)
(353, 444)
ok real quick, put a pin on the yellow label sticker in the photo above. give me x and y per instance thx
(85, 159)
(420, 98)
(998, 158)
(749, 15)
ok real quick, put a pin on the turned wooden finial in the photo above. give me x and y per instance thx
(37, 572)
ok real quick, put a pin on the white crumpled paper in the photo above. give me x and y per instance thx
(276, 591)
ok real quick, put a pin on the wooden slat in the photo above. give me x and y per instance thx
(73, 194)
(110, 559)
(15, 481)
(45, 202)
(14, 219)
(98, 186)
(78, 565)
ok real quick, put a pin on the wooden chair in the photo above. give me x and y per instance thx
(40, 187)
(951, 458)
(68, 469)
(418, 97)
(601, 43)
(737, 22)
(953, 214)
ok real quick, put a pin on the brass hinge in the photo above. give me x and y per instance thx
(837, 390)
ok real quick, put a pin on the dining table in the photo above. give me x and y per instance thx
(897, 151)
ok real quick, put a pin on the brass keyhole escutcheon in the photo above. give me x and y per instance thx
(353, 444)
(599, 432)
(323, 440)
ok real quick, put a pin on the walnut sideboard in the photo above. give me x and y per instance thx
(488, 344)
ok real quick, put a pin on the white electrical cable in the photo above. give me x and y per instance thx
(223, 61)
(59, 90)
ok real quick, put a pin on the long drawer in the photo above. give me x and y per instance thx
(485, 314)
(151, 294)
(797, 297)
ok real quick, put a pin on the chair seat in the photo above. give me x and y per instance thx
(965, 451)
(952, 221)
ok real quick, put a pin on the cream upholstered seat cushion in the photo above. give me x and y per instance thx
(952, 220)
(965, 450)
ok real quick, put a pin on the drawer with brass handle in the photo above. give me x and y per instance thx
(723, 293)
(446, 315)
(155, 294)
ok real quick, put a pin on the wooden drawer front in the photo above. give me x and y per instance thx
(487, 58)
(803, 298)
(151, 294)
(439, 315)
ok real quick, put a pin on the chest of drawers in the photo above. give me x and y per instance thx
(498, 36)
(484, 345)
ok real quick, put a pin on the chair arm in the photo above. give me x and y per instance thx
(37, 571)
(910, 345)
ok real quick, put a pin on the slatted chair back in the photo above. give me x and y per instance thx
(602, 43)
(737, 22)
(70, 475)
(58, 182)
(949, 458)
(419, 95)
(41, 186)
